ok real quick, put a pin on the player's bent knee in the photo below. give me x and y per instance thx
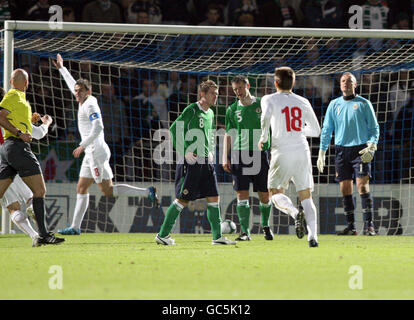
(40, 193)
(243, 195)
(108, 192)
(263, 197)
(304, 194)
(183, 202)
(213, 199)
(13, 207)
(274, 191)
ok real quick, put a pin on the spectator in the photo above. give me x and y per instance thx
(114, 116)
(246, 19)
(323, 13)
(40, 11)
(402, 21)
(211, 44)
(4, 11)
(375, 16)
(143, 17)
(145, 119)
(152, 7)
(213, 17)
(150, 94)
(236, 7)
(401, 97)
(186, 94)
(175, 12)
(69, 14)
(104, 11)
(358, 56)
(277, 13)
(171, 86)
(125, 4)
(396, 8)
(139, 158)
(198, 8)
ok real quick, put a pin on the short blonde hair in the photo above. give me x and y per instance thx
(351, 75)
(206, 85)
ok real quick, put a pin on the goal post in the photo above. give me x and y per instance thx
(134, 70)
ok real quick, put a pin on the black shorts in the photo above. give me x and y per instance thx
(17, 158)
(348, 163)
(258, 175)
(195, 181)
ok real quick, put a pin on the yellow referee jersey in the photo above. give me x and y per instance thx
(20, 110)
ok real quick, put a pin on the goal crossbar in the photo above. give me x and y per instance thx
(206, 30)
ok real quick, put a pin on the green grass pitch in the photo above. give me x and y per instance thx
(133, 266)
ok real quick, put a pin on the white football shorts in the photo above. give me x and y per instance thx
(96, 167)
(18, 191)
(293, 164)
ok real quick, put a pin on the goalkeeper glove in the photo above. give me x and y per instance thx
(321, 160)
(367, 154)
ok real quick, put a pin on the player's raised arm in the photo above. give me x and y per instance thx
(70, 82)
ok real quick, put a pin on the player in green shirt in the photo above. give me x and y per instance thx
(247, 164)
(193, 139)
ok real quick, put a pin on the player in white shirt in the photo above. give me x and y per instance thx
(95, 164)
(18, 196)
(292, 119)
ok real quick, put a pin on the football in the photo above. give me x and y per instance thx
(228, 226)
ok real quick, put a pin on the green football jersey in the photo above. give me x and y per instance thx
(243, 123)
(193, 131)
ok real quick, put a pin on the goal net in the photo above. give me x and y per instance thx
(144, 76)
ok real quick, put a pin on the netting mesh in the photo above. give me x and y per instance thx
(144, 81)
(209, 53)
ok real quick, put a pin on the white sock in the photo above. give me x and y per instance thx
(179, 206)
(21, 220)
(127, 190)
(82, 203)
(284, 204)
(310, 216)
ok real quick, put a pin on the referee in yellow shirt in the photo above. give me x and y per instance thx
(16, 154)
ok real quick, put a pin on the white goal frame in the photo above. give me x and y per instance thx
(11, 26)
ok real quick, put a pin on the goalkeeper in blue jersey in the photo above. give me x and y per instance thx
(352, 119)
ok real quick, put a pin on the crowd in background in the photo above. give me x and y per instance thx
(136, 102)
(377, 14)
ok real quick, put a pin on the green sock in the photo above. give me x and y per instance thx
(265, 209)
(243, 211)
(170, 216)
(213, 216)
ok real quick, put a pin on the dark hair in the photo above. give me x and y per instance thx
(285, 78)
(84, 83)
(240, 78)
